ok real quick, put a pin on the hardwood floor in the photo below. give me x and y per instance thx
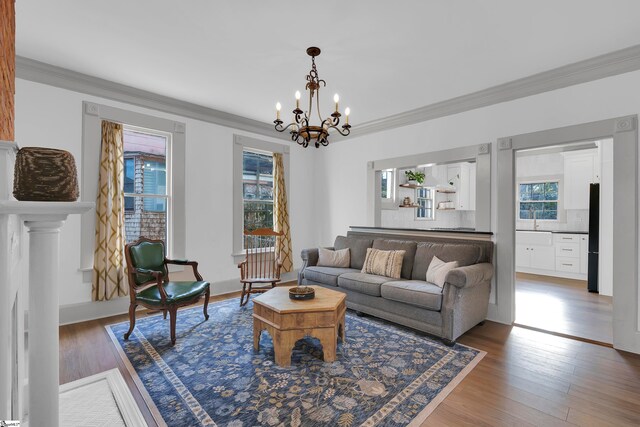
(526, 378)
(563, 306)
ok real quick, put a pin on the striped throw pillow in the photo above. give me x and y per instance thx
(383, 263)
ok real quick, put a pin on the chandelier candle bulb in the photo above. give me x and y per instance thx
(336, 98)
(297, 99)
(278, 108)
(347, 111)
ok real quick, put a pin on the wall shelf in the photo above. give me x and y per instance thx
(409, 206)
(445, 209)
(446, 191)
(412, 186)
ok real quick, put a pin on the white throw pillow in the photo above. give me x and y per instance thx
(329, 258)
(438, 269)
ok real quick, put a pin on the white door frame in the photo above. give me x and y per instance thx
(626, 292)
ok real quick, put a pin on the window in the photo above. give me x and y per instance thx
(539, 199)
(253, 186)
(387, 187)
(257, 189)
(171, 206)
(146, 195)
(425, 199)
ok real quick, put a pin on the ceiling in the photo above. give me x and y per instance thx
(382, 58)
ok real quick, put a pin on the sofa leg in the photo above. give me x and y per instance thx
(448, 342)
(360, 314)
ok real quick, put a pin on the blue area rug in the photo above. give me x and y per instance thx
(384, 375)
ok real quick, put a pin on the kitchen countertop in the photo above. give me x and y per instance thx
(435, 230)
(554, 231)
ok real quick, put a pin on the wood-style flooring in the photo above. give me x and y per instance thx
(563, 306)
(526, 378)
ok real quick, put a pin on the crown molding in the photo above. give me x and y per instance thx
(610, 64)
(607, 65)
(40, 72)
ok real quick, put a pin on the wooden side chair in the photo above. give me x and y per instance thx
(149, 284)
(260, 266)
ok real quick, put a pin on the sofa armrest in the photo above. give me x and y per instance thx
(309, 257)
(470, 275)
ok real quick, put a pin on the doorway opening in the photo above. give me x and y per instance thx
(564, 239)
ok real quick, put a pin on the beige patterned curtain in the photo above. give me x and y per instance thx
(281, 215)
(108, 267)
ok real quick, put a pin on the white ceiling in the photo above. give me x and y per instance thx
(382, 57)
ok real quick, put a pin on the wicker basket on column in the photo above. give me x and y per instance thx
(45, 175)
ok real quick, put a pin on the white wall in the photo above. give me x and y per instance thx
(339, 206)
(52, 117)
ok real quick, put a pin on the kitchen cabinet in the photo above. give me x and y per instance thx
(552, 254)
(580, 170)
(462, 177)
(535, 250)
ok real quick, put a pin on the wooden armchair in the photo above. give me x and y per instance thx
(149, 284)
(260, 266)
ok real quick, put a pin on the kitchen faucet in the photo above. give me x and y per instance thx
(535, 221)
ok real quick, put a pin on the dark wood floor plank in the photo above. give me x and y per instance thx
(526, 378)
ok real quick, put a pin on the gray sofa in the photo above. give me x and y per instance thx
(411, 301)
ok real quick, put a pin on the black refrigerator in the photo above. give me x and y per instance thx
(594, 237)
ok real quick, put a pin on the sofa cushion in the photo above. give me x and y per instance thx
(464, 253)
(358, 249)
(414, 292)
(363, 283)
(326, 275)
(438, 270)
(331, 258)
(407, 246)
(383, 263)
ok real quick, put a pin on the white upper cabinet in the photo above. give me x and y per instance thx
(463, 177)
(580, 170)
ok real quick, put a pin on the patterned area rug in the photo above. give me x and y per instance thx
(384, 375)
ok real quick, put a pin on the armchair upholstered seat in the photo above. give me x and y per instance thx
(149, 284)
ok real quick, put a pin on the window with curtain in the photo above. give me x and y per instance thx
(147, 196)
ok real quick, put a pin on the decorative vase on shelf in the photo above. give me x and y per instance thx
(412, 182)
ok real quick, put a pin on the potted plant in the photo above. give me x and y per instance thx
(414, 177)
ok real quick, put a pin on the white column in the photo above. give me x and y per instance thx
(44, 245)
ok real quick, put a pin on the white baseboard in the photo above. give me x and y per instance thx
(91, 310)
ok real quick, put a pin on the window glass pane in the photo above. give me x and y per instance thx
(129, 175)
(525, 191)
(250, 190)
(386, 190)
(258, 215)
(145, 172)
(155, 178)
(537, 191)
(551, 191)
(150, 223)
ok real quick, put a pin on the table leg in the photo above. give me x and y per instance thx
(283, 344)
(257, 331)
(329, 343)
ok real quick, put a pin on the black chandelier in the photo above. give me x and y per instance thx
(301, 131)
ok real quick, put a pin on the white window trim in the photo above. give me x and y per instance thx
(92, 117)
(433, 207)
(240, 143)
(534, 180)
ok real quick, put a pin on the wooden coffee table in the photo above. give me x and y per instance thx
(287, 321)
